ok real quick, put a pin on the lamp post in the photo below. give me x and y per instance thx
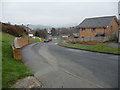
(28, 33)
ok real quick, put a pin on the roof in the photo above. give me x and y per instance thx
(76, 34)
(96, 22)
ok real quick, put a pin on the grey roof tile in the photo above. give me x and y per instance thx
(96, 22)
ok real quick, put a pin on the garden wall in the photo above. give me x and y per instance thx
(16, 50)
(99, 39)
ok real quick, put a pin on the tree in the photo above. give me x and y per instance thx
(15, 30)
(53, 32)
(41, 33)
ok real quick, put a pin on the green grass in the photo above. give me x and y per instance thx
(99, 47)
(36, 39)
(12, 70)
(0, 60)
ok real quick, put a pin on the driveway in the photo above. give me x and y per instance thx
(60, 67)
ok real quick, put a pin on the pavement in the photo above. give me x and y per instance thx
(60, 67)
(113, 45)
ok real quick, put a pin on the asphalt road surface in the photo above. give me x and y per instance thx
(60, 67)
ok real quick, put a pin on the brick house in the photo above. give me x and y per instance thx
(99, 26)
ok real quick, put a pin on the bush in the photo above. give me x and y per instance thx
(13, 29)
(41, 33)
(87, 42)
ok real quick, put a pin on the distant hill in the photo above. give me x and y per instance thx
(66, 26)
(34, 27)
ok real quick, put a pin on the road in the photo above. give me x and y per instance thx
(60, 67)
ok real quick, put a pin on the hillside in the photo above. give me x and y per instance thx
(15, 30)
(0, 60)
(12, 70)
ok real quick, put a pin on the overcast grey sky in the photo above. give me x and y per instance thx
(55, 13)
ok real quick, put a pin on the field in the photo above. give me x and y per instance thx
(12, 70)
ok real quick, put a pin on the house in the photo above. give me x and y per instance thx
(74, 35)
(99, 26)
(64, 37)
(31, 35)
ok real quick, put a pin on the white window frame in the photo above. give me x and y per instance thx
(93, 29)
(111, 28)
(83, 30)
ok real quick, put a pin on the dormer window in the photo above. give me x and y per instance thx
(83, 30)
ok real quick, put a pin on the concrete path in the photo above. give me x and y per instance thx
(28, 82)
(113, 45)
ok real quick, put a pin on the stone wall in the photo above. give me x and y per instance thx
(99, 39)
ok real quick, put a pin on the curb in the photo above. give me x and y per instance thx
(90, 50)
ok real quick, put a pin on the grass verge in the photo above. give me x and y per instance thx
(0, 60)
(98, 48)
(12, 70)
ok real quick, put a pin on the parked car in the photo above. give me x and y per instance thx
(50, 39)
(46, 40)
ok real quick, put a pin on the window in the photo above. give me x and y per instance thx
(83, 29)
(82, 37)
(111, 28)
(93, 30)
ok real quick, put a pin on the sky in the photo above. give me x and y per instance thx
(55, 13)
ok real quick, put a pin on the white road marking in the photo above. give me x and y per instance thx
(56, 43)
(73, 50)
(64, 70)
(78, 51)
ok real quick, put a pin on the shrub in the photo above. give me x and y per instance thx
(15, 30)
